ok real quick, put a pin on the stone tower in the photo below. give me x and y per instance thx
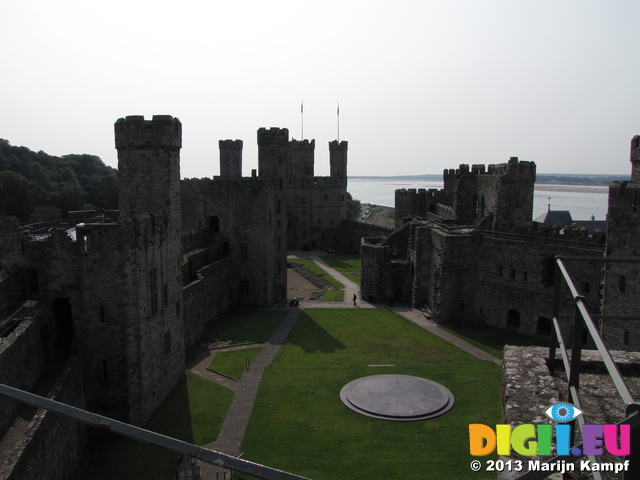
(635, 159)
(137, 286)
(273, 155)
(149, 164)
(621, 280)
(230, 158)
(302, 158)
(338, 160)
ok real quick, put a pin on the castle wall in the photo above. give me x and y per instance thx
(250, 231)
(52, 445)
(621, 285)
(469, 274)
(21, 364)
(205, 298)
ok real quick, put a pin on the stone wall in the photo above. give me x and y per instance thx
(21, 364)
(51, 445)
(461, 273)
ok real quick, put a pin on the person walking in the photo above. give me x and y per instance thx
(354, 300)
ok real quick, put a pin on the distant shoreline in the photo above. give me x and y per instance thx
(541, 178)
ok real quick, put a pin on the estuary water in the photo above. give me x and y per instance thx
(581, 201)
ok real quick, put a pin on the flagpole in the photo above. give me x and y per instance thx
(338, 122)
(302, 119)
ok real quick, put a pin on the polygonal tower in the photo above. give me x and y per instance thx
(230, 158)
(302, 157)
(635, 159)
(338, 160)
(149, 165)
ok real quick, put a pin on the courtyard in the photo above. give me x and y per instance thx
(296, 420)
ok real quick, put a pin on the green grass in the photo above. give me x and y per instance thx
(233, 363)
(193, 412)
(349, 265)
(245, 326)
(311, 433)
(492, 339)
(333, 296)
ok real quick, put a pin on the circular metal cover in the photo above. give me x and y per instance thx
(400, 398)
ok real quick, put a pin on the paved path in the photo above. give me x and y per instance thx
(235, 423)
(233, 428)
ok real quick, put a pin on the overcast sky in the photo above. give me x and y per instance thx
(422, 85)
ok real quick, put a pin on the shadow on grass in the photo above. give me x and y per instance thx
(312, 338)
(492, 339)
(113, 456)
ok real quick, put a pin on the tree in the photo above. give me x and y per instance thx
(14, 195)
(353, 207)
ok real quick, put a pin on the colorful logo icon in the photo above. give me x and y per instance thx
(563, 412)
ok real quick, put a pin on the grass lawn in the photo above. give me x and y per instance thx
(348, 265)
(492, 339)
(300, 425)
(232, 363)
(193, 412)
(245, 326)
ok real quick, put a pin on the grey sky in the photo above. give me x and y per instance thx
(422, 85)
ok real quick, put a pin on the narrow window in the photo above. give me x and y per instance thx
(153, 288)
(513, 274)
(167, 343)
(623, 284)
(244, 251)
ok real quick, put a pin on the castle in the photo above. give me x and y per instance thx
(107, 305)
(470, 252)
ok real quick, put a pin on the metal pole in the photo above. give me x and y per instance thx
(137, 433)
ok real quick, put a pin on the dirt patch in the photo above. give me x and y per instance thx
(298, 286)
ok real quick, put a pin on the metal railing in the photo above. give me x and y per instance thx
(183, 448)
(582, 319)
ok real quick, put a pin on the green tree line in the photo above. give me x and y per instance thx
(72, 182)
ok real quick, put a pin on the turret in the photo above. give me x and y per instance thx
(149, 165)
(635, 159)
(230, 158)
(273, 144)
(302, 156)
(338, 159)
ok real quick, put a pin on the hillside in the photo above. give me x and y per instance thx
(71, 182)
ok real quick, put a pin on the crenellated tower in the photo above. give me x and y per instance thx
(273, 146)
(635, 159)
(149, 165)
(338, 160)
(230, 158)
(302, 158)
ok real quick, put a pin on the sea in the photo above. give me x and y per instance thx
(582, 201)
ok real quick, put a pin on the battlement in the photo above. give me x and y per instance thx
(273, 136)
(230, 144)
(513, 167)
(335, 145)
(303, 144)
(163, 131)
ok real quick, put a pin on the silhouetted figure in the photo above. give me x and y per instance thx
(354, 300)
